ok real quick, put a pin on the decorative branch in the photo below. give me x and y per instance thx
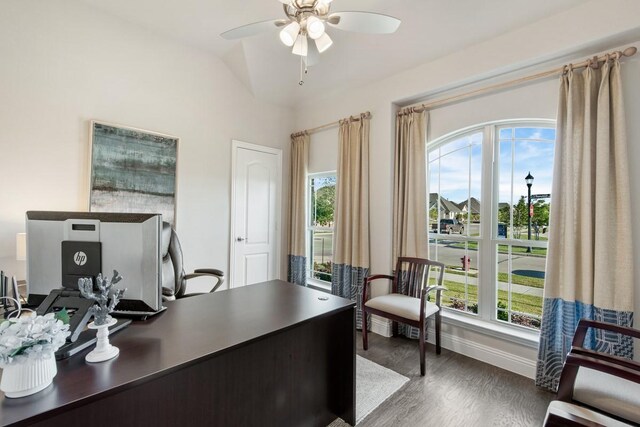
(106, 299)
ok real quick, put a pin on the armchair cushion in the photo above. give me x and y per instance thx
(565, 410)
(609, 393)
(402, 305)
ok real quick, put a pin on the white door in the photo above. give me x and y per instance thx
(255, 214)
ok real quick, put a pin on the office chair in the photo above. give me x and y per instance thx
(174, 279)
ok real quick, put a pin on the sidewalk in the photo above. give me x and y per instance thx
(503, 286)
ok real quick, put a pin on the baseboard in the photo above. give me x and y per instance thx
(492, 356)
(380, 326)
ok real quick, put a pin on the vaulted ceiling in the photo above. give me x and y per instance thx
(429, 29)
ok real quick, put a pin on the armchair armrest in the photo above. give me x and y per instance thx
(369, 279)
(209, 272)
(585, 324)
(596, 361)
(436, 288)
(367, 282)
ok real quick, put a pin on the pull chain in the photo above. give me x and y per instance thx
(301, 82)
(303, 71)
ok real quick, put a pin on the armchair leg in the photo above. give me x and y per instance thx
(438, 324)
(422, 350)
(365, 341)
(394, 329)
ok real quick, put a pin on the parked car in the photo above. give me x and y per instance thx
(449, 226)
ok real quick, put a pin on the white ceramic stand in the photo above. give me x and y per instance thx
(104, 350)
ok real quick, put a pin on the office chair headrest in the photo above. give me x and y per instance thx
(166, 238)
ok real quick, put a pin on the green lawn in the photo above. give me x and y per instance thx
(517, 279)
(519, 302)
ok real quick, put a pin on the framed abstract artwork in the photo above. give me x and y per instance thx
(132, 170)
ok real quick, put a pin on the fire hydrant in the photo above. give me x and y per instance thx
(466, 262)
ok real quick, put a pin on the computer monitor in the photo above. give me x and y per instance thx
(64, 246)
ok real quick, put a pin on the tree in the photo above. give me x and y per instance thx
(504, 215)
(520, 216)
(325, 198)
(541, 212)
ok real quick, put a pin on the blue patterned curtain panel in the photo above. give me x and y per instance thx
(558, 326)
(297, 270)
(347, 282)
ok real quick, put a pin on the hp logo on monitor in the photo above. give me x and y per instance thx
(80, 258)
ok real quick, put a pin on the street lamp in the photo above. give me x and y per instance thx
(529, 180)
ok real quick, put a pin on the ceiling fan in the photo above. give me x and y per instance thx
(307, 19)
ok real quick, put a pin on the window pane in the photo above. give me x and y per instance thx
(461, 273)
(322, 254)
(455, 179)
(529, 153)
(520, 284)
(323, 196)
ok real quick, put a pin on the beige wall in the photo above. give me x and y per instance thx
(63, 64)
(570, 36)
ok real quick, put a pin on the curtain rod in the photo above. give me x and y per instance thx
(365, 115)
(591, 62)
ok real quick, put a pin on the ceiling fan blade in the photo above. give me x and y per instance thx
(364, 22)
(252, 29)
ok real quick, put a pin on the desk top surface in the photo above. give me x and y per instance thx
(190, 330)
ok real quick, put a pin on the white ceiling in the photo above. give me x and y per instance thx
(429, 29)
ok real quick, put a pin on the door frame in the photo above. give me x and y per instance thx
(235, 146)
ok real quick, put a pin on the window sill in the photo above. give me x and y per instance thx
(319, 285)
(505, 332)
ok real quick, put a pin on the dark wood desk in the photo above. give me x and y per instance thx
(270, 354)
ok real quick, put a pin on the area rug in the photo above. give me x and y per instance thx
(374, 385)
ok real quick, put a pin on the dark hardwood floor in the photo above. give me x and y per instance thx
(456, 390)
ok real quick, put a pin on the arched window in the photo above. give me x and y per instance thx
(486, 224)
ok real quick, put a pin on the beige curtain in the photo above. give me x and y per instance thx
(297, 261)
(351, 217)
(589, 270)
(410, 193)
(410, 186)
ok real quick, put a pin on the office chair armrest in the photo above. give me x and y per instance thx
(213, 271)
(208, 272)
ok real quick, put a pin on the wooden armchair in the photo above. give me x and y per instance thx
(597, 388)
(408, 301)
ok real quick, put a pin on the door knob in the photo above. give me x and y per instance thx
(239, 239)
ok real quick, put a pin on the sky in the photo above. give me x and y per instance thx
(455, 168)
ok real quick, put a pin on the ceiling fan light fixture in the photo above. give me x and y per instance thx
(323, 42)
(315, 27)
(300, 46)
(289, 33)
(323, 1)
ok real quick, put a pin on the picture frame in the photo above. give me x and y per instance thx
(132, 170)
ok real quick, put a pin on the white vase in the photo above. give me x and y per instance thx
(32, 376)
